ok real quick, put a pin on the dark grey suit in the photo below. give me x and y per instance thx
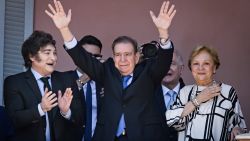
(136, 101)
(170, 134)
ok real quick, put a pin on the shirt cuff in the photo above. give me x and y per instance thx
(67, 115)
(71, 44)
(40, 110)
(166, 45)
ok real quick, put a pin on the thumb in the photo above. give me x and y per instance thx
(46, 91)
(69, 15)
(152, 15)
(59, 94)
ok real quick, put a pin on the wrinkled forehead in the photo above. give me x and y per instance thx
(123, 47)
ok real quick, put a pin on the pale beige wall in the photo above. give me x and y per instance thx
(223, 24)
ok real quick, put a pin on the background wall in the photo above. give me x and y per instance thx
(223, 24)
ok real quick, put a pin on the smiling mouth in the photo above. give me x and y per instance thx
(50, 64)
(169, 74)
(201, 73)
(123, 66)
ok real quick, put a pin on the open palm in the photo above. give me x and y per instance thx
(58, 15)
(164, 19)
(65, 100)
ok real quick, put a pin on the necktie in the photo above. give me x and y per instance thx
(45, 81)
(171, 95)
(122, 125)
(88, 129)
(49, 123)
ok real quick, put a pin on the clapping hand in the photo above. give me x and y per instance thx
(48, 101)
(65, 100)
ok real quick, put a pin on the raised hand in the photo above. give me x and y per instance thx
(164, 19)
(48, 100)
(57, 14)
(65, 100)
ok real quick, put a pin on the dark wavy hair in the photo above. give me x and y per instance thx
(31, 46)
(91, 40)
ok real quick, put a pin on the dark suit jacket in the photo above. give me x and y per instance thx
(6, 127)
(22, 96)
(170, 133)
(99, 96)
(136, 101)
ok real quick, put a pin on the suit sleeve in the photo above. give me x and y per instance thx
(19, 112)
(90, 65)
(162, 63)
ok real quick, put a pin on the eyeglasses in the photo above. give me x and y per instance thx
(97, 56)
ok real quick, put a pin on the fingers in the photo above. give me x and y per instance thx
(214, 89)
(48, 13)
(163, 6)
(56, 5)
(171, 12)
(68, 92)
(49, 100)
(47, 93)
(66, 96)
(52, 9)
(53, 105)
(46, 90)
(52, 98)
(65, 100)
(172, 15)
(60, 7)
(59, 95)
(70, 99)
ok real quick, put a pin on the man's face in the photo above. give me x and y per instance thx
(125, 58)
(174, 72)
(45, 60)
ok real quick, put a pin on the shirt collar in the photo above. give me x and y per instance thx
(176, 89)
(37, 75)
(78, 73)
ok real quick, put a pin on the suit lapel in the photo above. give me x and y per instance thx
(30, 79)
(138, 70)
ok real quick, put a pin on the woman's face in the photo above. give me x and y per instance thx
(203, 68)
